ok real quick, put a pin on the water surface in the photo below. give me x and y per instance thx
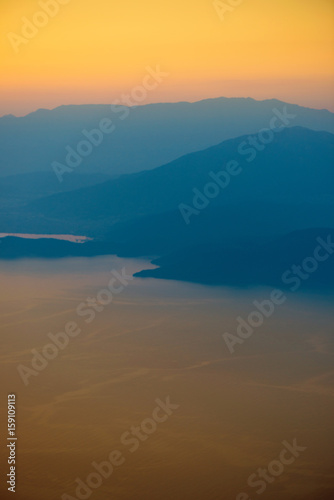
(65, 237)
(157, 339)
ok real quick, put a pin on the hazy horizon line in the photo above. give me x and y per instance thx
(165, 103)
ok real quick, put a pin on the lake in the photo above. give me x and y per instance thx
(150, 340)
(65, 237)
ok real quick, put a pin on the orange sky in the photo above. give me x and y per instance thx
(93, 51)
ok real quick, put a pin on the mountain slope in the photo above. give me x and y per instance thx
(19, 189)
(297, 167)
(148, 137)
(266, 264)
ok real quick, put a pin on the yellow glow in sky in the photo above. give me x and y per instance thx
(86, 51)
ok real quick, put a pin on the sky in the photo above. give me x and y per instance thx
(95, 51)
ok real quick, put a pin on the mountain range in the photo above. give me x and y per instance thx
(195, 195)
(295, 168)
(144, 137)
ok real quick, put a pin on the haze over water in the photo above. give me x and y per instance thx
(157, 339)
